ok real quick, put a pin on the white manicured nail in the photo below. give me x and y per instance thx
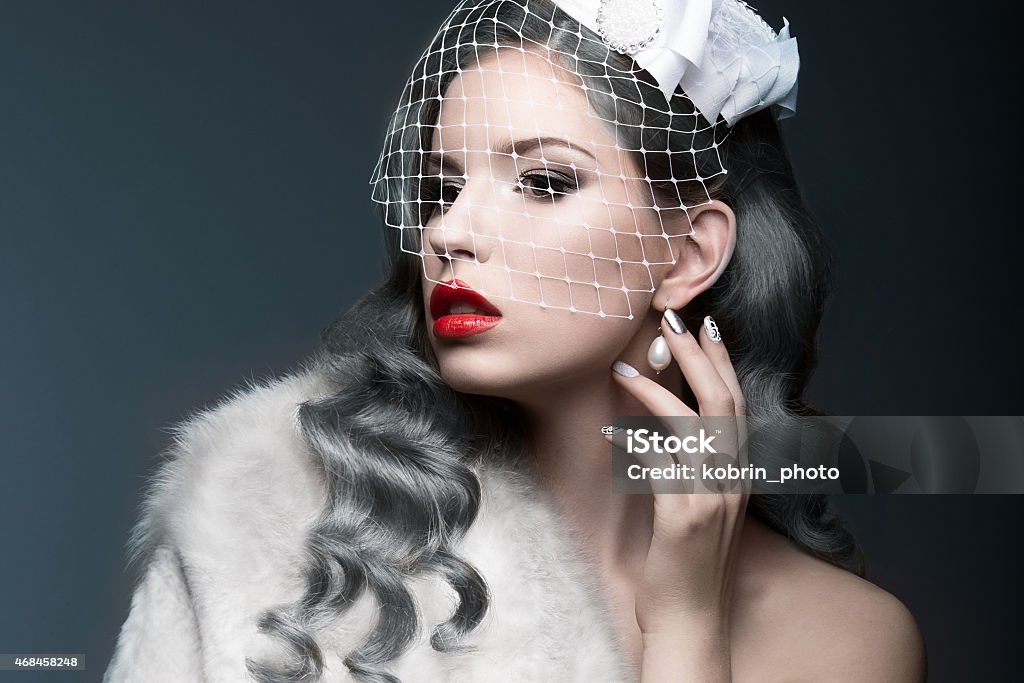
(625, 369)
(712, 329)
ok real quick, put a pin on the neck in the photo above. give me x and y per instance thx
(573, 460)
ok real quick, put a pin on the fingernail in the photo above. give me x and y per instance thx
(712, 329)
(625, 369)
(674, 321)
(609, 430)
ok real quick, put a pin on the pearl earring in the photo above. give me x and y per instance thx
(659, 356)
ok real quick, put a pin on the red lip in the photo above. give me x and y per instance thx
(452, 326)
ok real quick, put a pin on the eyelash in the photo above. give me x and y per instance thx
(552, 186)
(555, 184)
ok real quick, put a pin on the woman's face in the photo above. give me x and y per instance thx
(540, 212)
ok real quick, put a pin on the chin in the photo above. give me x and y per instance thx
(474, 376)
(485, 371)
(521, 378)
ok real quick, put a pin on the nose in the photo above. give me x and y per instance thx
(460, 232)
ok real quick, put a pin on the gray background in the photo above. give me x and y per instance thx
(184, 204)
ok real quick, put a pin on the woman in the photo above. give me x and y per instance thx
(428, 499)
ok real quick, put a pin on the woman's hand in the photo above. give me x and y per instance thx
(682, 599)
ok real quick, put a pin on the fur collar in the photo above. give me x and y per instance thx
(222, 539)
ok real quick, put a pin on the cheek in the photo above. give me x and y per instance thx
(582, 256)
(573, 346)
(612, 255)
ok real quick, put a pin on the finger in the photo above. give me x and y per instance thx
(672, 412)
(711, 391)
(656, 398)
(705, 363)
(716, 350)
(716, 400)
(660, 402)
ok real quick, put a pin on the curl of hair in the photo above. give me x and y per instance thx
(398, 444)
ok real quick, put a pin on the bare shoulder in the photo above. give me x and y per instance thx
(812, 620)
(858, 629)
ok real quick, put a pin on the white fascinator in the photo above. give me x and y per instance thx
(727, 60)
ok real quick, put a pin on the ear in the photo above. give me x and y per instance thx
(701, 257)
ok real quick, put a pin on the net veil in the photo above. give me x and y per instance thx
(529, 160)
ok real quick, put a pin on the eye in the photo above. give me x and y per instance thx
(449, 193)
(547, 185)
(437, 194)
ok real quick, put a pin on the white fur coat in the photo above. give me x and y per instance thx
(224, 529)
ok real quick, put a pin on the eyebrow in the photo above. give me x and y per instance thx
(529, 144)
(519, 147)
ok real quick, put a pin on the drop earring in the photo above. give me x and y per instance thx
(659, 356)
